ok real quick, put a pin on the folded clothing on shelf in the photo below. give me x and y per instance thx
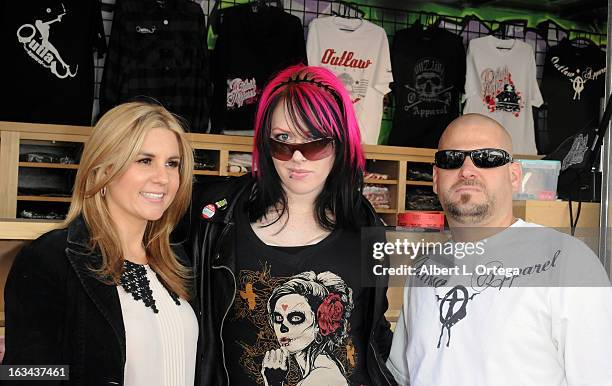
(239, 162)
(47, 158)
(204, 161)
(375, 176)
(419, 172)
(31, 214)
(57, 153)
(422, 199)
(49, 182)
(378, 195)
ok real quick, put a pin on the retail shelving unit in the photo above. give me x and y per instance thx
(388, 160)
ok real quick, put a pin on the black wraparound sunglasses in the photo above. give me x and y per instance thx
(481, 158)
(312, 150)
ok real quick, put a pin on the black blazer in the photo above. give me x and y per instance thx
(58, 312)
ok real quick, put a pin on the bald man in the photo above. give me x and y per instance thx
(473, 196)
(531, 307)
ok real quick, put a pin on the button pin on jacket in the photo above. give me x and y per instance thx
(221, 204)
(208, 211)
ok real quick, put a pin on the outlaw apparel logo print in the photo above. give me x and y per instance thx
(35, 40)
(453, 308)
(499, 91)
(241, 92)
(578, 78)
(430, 96)
(350, 70)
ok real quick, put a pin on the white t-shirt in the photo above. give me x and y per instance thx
(160, 347)
(550, 326)
(357, 51)
(501, 83)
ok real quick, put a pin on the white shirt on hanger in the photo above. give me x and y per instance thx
(357, 51)
(501, 83)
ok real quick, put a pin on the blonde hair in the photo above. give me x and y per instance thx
(113, 146)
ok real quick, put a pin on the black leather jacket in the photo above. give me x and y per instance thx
(213, 253)
(59, 312)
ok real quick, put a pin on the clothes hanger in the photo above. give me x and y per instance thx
(502, 30)
(348, 10)
(260, 5)
(581, 42)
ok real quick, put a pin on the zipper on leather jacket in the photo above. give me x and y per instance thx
(224, 316)
(378, 360)
(217, 256)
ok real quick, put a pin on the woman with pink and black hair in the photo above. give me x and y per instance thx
(321, 116)
(301, 207)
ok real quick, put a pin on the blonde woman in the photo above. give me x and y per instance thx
(106, 293)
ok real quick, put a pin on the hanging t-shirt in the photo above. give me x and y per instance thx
(357, 51)
(47, 70)
(544, 322)
(306, 301)
(501, 83)
(573, 83)
(429, 75)
(158, 50)
(253, 44)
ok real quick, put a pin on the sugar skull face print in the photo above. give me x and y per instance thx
(310, 317)
(294, 323)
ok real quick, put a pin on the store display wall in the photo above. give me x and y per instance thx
(541, 32)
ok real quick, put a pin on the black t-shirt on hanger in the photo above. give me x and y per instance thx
(573, 83)
(429, 76)
(248, 332)
(47, 69)
(252, 45)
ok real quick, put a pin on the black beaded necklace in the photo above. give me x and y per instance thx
(134, 281)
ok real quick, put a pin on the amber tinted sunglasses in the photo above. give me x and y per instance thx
(312, 150)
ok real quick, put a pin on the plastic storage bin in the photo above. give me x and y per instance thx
(539, 180)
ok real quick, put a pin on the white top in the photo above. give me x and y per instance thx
(357, 51)
(501, 83)
(160, 347)
(551, 327)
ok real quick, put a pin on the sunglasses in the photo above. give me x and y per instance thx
(481, 158)
(313, 150)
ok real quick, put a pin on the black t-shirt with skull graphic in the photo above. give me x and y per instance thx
(573, 83)
(429, 76)
(301, 301)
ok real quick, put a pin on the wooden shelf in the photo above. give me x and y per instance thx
(419, 183)
(43, 199)
(47, 165)
(236, 174)
(380, 182)
(206, 172)
(391, 211)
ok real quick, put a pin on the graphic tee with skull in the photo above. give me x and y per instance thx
(297, 310)
(429, 74)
